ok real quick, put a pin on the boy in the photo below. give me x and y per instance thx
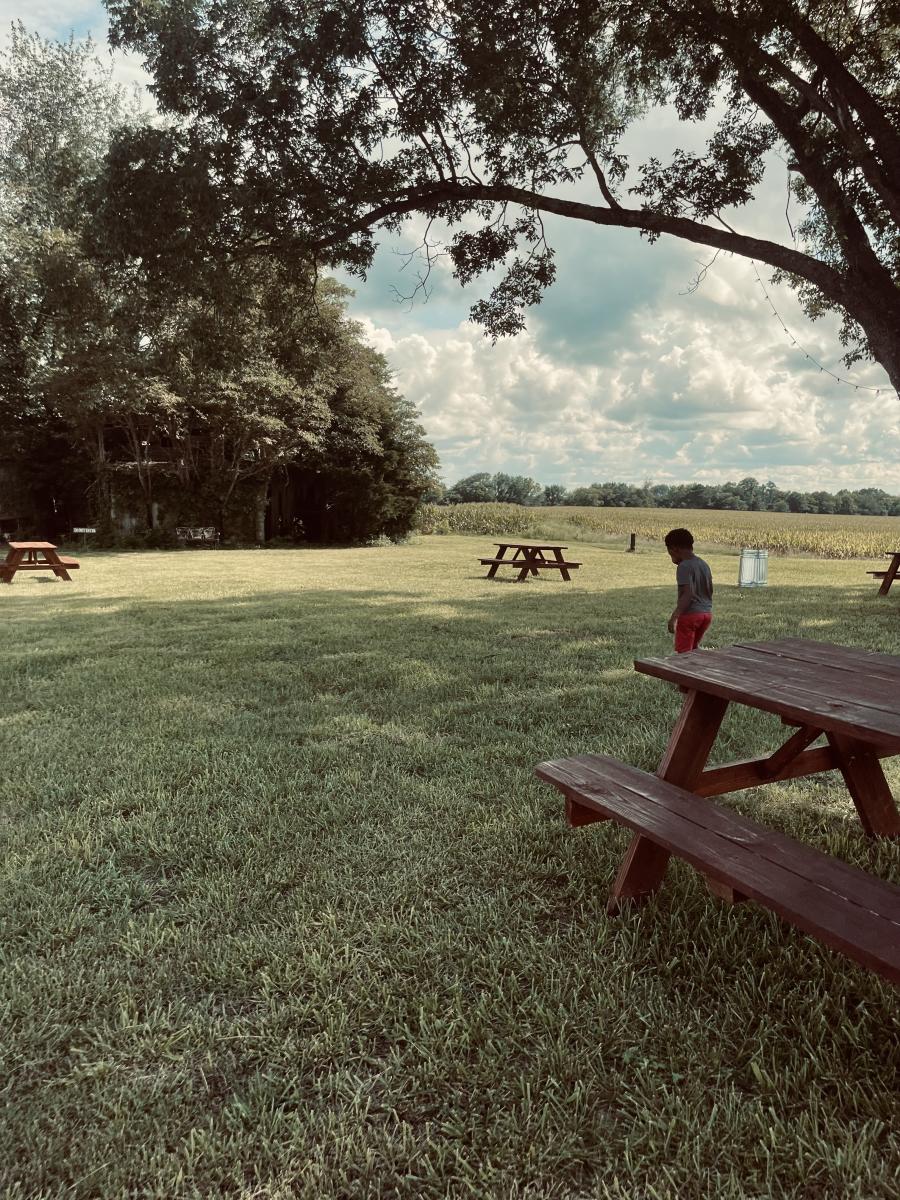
(692, 615)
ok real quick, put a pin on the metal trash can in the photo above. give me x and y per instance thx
(754, 568)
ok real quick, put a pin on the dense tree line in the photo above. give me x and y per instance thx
(747, 494)
(141, 394)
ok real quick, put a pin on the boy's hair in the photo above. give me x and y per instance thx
(681, 538)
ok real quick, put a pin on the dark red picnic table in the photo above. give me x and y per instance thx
(843, 707)
(846, 698)
(529, 559)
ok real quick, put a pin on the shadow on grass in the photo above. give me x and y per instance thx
(291, 844)
(505, 679)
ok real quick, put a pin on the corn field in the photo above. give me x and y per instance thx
(780, 533)
(483, 519)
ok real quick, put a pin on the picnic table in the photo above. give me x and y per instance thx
(36, 556)
(849, 697)
(887, 577)
(528, 559)
(843, 707)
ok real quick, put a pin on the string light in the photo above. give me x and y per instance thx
(859, 387)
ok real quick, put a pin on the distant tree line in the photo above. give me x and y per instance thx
(747, 495)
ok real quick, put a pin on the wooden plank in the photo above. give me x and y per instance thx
(867, 786)
(46, 566)
(858, 683)
(857, 687)
(752, 772)
(796, 743)
(641, 873)
(692, 739)
(845, 658)
(861, 919)
(644, 866)
(590, 777)
(698, 669)
(890, 575)
(578, 815)
(520, 563)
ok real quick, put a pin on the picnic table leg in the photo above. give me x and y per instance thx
(644, 865)
(10, 565)
(529, 558)
(492, 570)
(558, 555)
(890, 575)
(51, 557)
(867, 786)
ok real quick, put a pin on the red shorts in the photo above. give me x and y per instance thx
(689, 631)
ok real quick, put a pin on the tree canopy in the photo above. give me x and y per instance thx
(507, 489)
(181, 386)
(315, 125)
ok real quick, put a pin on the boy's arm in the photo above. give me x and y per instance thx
(684, 602)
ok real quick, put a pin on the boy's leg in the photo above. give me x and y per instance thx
(689, 631)
(704, 620)
(684, 635)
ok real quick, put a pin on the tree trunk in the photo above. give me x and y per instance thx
(261, 502)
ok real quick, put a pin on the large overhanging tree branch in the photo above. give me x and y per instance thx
(451, 193)
(315, 124)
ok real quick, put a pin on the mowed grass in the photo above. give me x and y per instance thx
(285, 913)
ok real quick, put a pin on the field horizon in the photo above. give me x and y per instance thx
(819, 535)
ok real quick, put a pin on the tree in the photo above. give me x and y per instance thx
(373, 466)
(316, 125)
(554, 493)
(58, 107)
(517, 489)
(474, 489)
(177, 385)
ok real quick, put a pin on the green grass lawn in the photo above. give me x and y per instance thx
(285, 913)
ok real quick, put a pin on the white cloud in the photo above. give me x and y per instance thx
(624, 371)
(680, 397)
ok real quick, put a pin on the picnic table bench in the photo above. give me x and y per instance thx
(197, 535)
(529, 560)
(850, 698)
(887, 577)
(36, 556)
(841, 906)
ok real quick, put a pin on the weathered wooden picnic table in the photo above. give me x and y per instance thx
(887, 577)
(36, 556)
(529, 560)
(847, 699)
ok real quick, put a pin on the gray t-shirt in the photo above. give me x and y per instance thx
(695, 574)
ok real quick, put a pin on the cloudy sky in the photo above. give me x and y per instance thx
(624, 372)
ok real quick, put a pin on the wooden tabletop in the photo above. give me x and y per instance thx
(31, 545)
(529, 546)
(833, 688)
